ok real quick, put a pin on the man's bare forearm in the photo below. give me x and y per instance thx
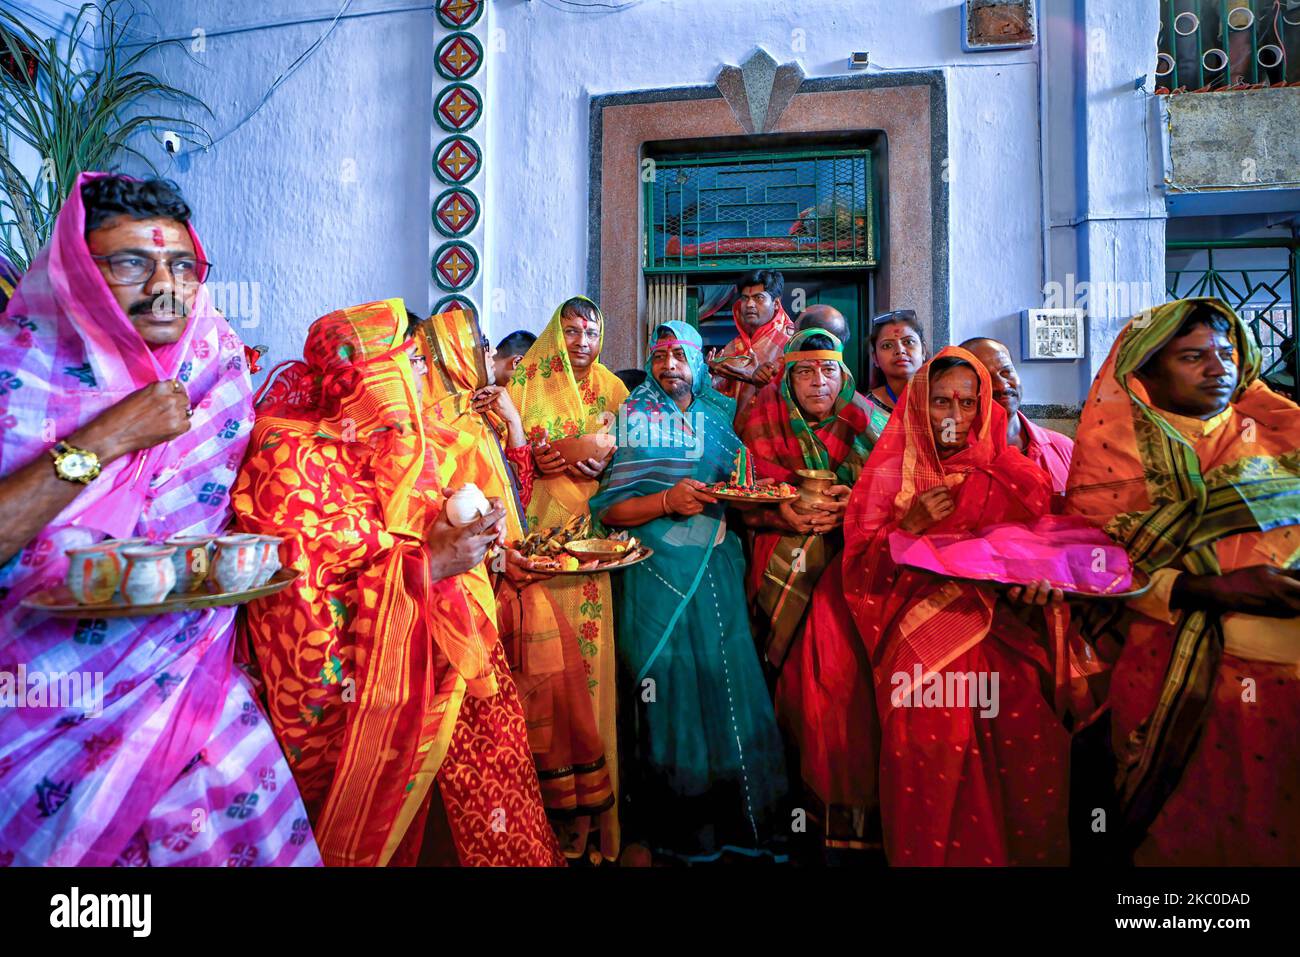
(34, 495)
(29, 500)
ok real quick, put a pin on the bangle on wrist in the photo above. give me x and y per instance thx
(663, 503)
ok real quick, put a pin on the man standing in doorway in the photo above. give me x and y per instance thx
(762, 329)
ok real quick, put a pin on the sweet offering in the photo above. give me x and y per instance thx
(741, 486)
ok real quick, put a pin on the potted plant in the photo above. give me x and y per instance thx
(77, 106)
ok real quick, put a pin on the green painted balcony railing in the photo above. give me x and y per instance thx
(1217, 44)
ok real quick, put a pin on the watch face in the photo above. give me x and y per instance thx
(76, 465)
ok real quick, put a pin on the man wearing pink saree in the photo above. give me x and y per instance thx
(126, 407)
(973, 753)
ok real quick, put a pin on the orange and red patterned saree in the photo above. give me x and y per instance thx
(1204, 706)
(386, 688)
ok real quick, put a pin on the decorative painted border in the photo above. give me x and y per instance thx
(452, 16)
(465, 52)
(445, 96)
(466, 250)
(471, 146)
(469, 199)
(452, 302)
(476, 49)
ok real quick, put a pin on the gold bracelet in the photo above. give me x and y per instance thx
(664, 503)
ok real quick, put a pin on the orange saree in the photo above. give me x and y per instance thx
(387, 689)
(1204, 706)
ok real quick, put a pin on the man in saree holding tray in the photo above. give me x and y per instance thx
(971, 698)
(561, 631)
(125, 408)
(704, 772)
(386, 681)
(1193, 464)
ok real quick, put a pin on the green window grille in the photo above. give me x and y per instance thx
(814, 209)
(1260, 279)
(1214, 44)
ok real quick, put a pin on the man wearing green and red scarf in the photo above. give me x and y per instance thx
(810, 419)
(813, 418)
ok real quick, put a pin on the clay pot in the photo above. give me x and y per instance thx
(192, 560)
(238, 562)
(149, 574)
(270, 556)
(94, 573)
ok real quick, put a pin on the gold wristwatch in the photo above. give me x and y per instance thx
(73, 464)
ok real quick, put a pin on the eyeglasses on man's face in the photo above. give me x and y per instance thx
(133, 269)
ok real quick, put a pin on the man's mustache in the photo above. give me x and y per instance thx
(165, 302)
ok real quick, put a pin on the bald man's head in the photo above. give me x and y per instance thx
(827, 318)
(996, 357)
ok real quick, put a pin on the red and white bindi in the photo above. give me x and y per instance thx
(158, 237)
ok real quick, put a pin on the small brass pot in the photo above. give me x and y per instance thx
(813, 485)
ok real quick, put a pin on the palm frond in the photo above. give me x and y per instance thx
(80, 113)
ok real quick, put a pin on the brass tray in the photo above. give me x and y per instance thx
(733, 367)
(1141, 584)
(59, 602)
(585, 549)
(637, 556)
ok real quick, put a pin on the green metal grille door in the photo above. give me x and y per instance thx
(1257, 278)
(812, 209)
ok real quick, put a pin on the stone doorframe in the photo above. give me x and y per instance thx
(908, 108)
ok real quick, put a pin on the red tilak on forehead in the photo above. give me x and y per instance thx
(158, 237)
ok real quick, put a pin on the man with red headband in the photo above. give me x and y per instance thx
(762, 329)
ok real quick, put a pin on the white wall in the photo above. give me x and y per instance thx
(322, 199)
(552, 62)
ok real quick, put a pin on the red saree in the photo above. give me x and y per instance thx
(960, 783)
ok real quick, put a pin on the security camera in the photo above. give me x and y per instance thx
(171, 142)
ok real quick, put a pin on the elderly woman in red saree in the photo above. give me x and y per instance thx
(386, 683)
(973, 758)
